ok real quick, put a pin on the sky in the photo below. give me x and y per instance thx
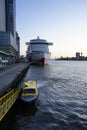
(63, 22)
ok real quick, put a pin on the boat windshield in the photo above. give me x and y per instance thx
(29, 91)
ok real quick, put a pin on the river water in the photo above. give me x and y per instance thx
(62, 101)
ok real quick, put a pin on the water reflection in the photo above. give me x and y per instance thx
(27, 109)
(18, 115)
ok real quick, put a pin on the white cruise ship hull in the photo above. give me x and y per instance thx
(39, 57)
(38, 51)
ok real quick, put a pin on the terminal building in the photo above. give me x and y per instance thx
(9, 39)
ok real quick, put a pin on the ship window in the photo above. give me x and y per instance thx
(39, 47)
(29, 91)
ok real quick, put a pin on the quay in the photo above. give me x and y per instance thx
(10, 77)
(9, 92)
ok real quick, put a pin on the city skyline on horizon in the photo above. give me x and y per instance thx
(62, 22)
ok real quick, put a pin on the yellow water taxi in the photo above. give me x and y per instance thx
(29, 91)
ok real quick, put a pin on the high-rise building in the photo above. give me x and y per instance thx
(8, 41)
(77, 55)
(11, 16)
(18, 43)
(2, 15)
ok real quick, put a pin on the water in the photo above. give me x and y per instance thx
(62, 87)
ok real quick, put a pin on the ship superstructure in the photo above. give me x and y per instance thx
(38, 51)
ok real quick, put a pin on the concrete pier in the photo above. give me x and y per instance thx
(10, 77)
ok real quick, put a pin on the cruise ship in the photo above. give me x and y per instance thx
(38, 51)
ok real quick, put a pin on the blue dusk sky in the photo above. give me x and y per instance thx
(63, 22)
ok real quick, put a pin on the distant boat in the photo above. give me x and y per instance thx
(29, 92)
(38, 51)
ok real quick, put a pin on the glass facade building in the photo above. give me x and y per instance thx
(8, 40)
(10, 16)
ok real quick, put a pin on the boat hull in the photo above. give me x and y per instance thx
(29, 102)
(39, 57)
(29, 99)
